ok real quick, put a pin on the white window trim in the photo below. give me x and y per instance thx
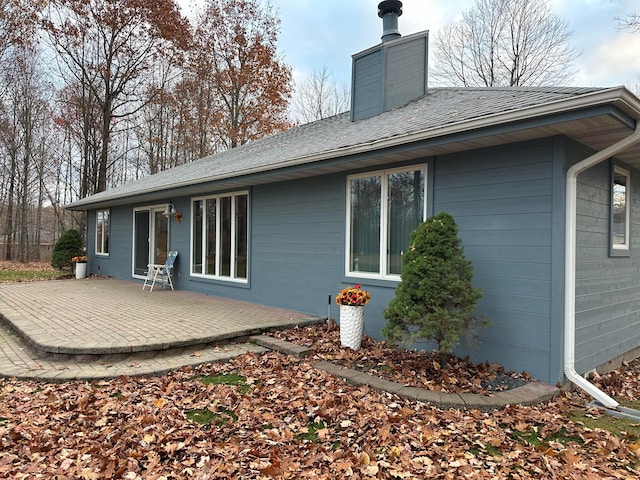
(102, 253)
(217, 276)
(627, 200)
(381, 275)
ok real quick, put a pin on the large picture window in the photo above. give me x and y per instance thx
(219, 236)
(620, 208)
(102, 232)
(383, 208)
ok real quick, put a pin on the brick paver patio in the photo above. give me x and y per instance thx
(117, 319)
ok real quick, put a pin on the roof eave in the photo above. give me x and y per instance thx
(618, 96)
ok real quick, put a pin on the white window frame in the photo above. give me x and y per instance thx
(232, 277)
(621, 247)
(384, 193)
(102, 246)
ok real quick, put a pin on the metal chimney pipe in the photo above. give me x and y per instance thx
(389, 11)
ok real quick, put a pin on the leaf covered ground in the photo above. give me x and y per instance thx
(28, 272)
(421, 369)
(273, 416)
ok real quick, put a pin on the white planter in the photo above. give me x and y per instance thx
(81, 270)
(351, 325)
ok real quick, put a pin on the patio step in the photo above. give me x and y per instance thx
(282, 346)
(19, 361)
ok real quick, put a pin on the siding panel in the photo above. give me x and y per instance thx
(607, 289)
(367, 85)
(502, 200)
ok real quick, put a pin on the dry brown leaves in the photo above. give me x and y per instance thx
(408, 367)
(291, 421)
(623, 382)
(10, 266)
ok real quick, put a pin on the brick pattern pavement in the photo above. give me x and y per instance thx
(49, 321)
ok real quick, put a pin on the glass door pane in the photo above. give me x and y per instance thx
(160, 237)
(141, 242)
(196, 260)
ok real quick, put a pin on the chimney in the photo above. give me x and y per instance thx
(392, 73)
(389, 11)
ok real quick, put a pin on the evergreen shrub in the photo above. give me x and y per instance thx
(434, 300)
(69, 245)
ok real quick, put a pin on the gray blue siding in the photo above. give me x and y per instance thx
(508, 203)
(502, 200)
(607, 288)
(405, 72)
(367, 85)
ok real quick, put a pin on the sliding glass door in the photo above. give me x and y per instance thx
(150, 238)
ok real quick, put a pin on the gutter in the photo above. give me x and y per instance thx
(570, 265)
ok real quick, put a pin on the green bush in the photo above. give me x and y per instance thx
(434, 299)
(68, 246)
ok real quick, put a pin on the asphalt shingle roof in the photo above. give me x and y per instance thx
(438, 108)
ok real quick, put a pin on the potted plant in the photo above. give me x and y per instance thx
(352, 301)
(81, 266)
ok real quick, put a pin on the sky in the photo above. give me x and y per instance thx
(316, 34)
(325, 33)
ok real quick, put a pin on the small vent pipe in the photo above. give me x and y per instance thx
(389, 11)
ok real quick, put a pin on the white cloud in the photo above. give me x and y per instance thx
(613, 62)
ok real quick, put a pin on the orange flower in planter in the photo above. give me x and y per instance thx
(353, 296)
(79, 259)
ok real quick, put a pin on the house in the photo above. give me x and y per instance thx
(544, 184)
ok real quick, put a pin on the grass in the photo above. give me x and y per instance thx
(227, 379)
(311, 432)
(533, 437)
(621, 427)
(206, 417)
(222, 416)
(28, 272)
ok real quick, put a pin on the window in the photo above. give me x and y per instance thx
(219, 236)
(383, 208)
(102, 232)
(620, 208)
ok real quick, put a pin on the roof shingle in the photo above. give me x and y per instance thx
(439, 108)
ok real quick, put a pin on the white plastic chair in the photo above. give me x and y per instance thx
(164, 271)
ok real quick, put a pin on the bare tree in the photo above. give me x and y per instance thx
(505, 43)
(24, 128)
(107, 47)
(630, 22)
(319, 96)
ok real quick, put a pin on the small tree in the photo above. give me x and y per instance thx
(68, 246)
(434, 300)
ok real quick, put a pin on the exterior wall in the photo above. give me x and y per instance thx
(118, 262)
(296, 246)
(503, 202)
(607, 288)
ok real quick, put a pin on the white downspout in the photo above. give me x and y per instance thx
(570, 265)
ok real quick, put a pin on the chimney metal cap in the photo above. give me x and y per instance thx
(389, 6)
